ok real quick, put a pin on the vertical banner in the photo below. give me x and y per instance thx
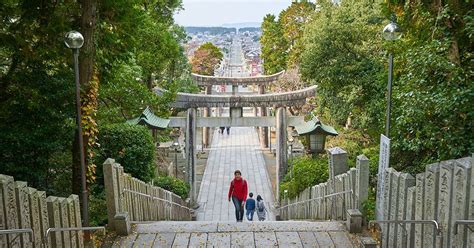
(384, 157)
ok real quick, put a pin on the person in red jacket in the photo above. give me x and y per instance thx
(238, 192)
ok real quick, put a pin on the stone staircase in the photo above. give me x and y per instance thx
(232, 234)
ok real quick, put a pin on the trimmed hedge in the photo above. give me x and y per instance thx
(172, 184)
(131, 146)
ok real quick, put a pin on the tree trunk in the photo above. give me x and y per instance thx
(88, 21)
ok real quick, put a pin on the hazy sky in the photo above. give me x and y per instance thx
(218, 12)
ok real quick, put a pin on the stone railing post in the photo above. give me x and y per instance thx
(111, 190)
(8, 205)
(362, 181)
(23, 210)
(337, 162)
(54, 220)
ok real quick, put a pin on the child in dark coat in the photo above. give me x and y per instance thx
(250, 207)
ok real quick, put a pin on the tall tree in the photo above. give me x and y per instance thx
(293, 20)
(274, 46)
(206, 58)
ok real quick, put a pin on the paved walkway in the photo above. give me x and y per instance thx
(239, 150)
(231, 234)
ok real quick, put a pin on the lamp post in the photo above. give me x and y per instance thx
(75, 40)
(391, 32)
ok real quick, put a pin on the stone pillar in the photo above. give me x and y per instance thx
(337, 162)
(207, 113)
(8, 205)
(263, 112)
(112, 195)
(191, 151)
(281, 151)
(362, 181)
(23, 210)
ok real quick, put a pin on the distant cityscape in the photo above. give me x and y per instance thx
(222, 37)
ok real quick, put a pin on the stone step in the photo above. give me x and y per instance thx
(264, 226)
(232, 234)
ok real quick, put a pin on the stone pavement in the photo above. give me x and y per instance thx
(239, 150)
(232, 234)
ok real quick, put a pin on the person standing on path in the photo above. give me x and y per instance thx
(250, 207)
(261, 209)
(228, 130)
(238, 192)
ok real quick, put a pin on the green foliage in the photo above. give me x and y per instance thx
(292, 20)
(97, 206)
(368, 207)
(274, 46)
(135, 41)
(131, 146)
(206, 58)
(434, 114)
(172, 184)
(342, 56)
(306, 172)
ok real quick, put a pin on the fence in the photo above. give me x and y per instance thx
(444, 193)
(141, 201)
(26, 214)
(332, 199)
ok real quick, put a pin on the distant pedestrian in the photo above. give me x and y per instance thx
(228, 130)
(261, 209)
(222, 130)
(238, 192)
(250, 207)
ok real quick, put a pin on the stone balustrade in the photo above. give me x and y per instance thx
(332, 199)
(444, 193)
(136, 201)
(23, 207)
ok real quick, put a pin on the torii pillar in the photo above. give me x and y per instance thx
(205, 130)
(191, 153)
(263, 112)
(281, 147)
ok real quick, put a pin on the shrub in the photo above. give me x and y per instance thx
(172, 184)
(306, 172)
(131, 146)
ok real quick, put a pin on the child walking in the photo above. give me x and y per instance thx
(250, 207)
(261, 209)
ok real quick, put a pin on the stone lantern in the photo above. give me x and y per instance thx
(315, 134)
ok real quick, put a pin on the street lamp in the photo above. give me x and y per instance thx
(75, 40)
(391, 32)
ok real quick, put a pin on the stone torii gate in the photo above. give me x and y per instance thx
(236, 102)
(261, 81)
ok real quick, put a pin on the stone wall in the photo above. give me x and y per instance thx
(22, 207)
(444, 193)
(138, 200)
(332, 199)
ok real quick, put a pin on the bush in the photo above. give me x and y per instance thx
(131, 146)
(97, 206)
(306, 172)
(172, 184)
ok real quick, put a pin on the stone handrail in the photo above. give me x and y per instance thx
(330, 200)
(292, 98)
(203, 80)
(24, 208)
(132, 200)
(444, 193)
